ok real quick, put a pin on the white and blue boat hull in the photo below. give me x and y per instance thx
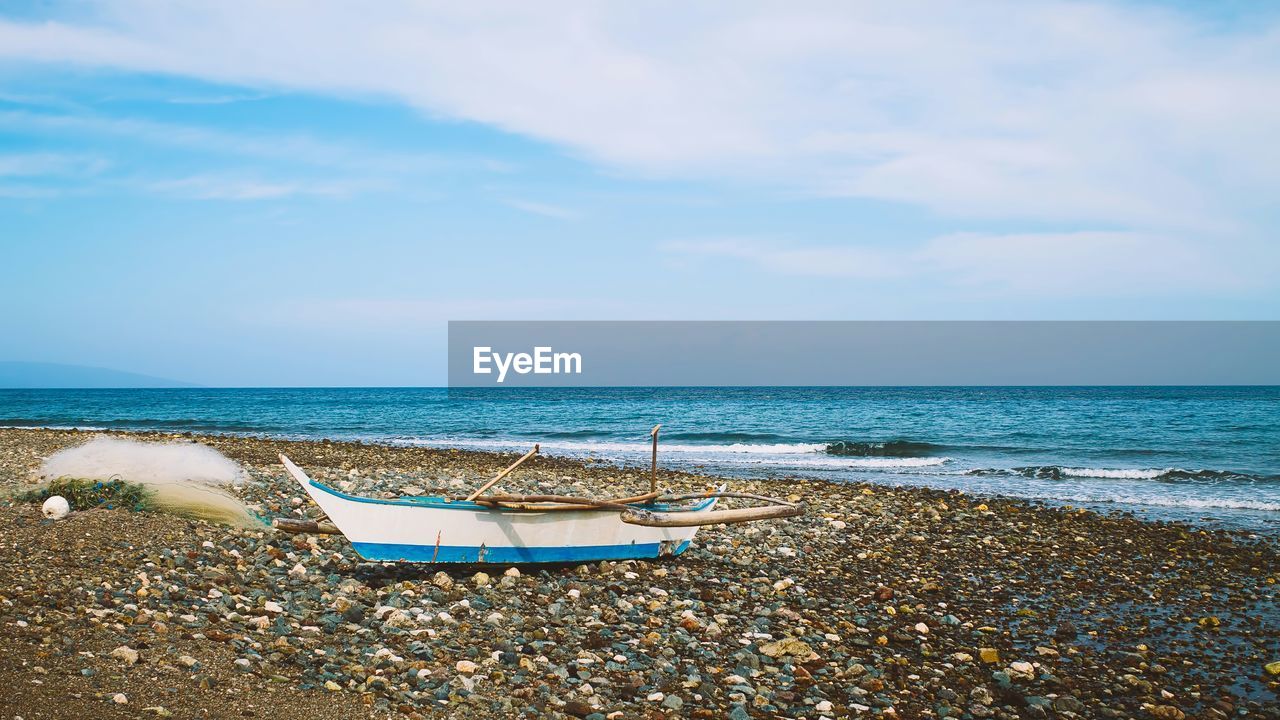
(436, 530)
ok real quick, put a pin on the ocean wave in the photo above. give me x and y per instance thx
(727, 443)
(1058, 472)
(780, 456)
(744, 448)
(866, 463)
(721, 437)
(1188, 503)
(605, 446)
(566, 434)
(1115, 473)
(884, 448)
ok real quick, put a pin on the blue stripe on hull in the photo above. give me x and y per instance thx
(390, 552)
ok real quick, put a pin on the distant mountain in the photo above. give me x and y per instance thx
(55, 375)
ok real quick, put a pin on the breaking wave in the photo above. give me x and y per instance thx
(871, 463)
(886, 448)
(608, 447)
(776, 455)
(1057, 472)
(1190, 503)
(728, 437)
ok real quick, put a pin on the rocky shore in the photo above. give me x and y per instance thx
(896, 602)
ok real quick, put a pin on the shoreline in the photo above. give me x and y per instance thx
(1219, 466)
(931, 602)
(1245, 520)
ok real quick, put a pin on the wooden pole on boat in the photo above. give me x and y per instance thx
(653, 473)
(649, 518)
(502, 474)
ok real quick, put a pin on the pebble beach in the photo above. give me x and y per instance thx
(892, 602)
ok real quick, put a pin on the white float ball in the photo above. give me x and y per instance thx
(56, 507)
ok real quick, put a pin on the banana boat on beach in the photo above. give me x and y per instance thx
(506, 529)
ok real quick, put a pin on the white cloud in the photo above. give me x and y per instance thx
(297, 148)
(400, 315)
(223, 187)
(49, 41)
(33, 175)
(543, 209)
(1110, 264)
(26, 192)
(1049, 111)
(1081, 263)
(31, 165)
(222, 99)
(315, 166)
(846, 261)
(1154, 123)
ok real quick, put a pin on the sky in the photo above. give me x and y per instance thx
(304, 193)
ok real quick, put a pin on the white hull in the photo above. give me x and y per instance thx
(434, 530)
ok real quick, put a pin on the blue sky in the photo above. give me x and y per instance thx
(304, 193)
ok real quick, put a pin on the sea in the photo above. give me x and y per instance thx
(1209, 456)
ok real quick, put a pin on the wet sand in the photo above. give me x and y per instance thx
(880, 601)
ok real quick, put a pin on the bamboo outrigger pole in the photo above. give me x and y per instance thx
(502, 474)
(649, 518)
(653, 472)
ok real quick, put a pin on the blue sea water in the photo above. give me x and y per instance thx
(1208, 455)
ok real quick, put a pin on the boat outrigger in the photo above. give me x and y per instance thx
(509, 529)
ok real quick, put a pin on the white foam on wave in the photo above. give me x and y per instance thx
(875, 463)
(778, 455)
(1116, 473)
(1193, 503)
(604, 446)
